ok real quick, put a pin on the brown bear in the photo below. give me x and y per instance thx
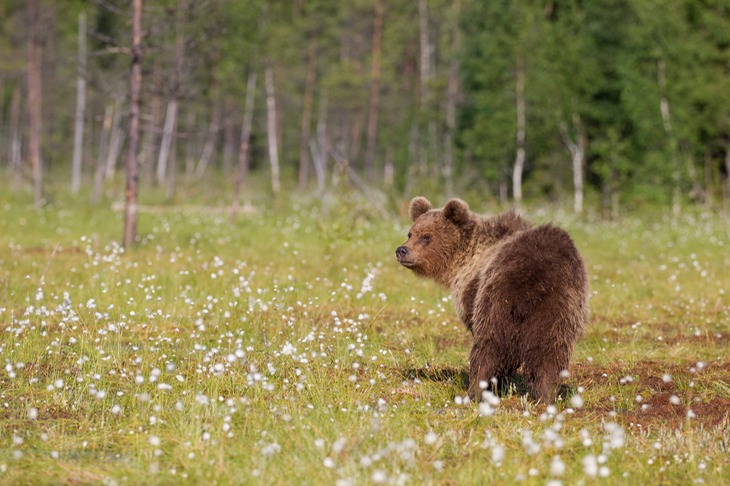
(521, 290)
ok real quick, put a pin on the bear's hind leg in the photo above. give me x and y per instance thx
(544, 377)
(485, 363)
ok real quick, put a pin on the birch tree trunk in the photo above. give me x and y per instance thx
(130, 207)
(167, 131)
(242, 165)
(577, 145)
(452, 92)
(172, 165)
(320, 157)
(102, 153)
(190, 145)
(228, 143)
(307, 115)
(210, 140)
(520, 136)
(115, 142)
(16, 145)
(425, 76)
(727, 171)
(374, 105)
(34, 97)
(271, 129)
(150, 144)
(80, 108)
(667, 122)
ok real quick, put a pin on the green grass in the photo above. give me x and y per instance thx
(289, 347)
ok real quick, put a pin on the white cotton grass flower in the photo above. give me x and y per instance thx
(379, 476)
(430, 438)
(557, 466)
(616, 435)
(590, 465)
(531, 447)
(498, 454)
(576, 401)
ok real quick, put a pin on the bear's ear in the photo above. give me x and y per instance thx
(457, 211)
(419, 205)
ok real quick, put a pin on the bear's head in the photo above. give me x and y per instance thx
(436, 238)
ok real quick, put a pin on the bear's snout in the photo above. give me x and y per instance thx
(401, 252)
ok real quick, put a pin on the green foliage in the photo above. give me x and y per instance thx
(643, 81)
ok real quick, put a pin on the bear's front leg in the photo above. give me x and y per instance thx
(484, 364)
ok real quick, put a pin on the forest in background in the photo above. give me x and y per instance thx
(594, 104)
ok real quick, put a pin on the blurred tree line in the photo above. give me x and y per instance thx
(608, 103)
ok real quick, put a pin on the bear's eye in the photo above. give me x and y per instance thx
(409, 235)
(426, 238)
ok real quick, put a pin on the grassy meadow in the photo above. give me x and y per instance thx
(289, 347)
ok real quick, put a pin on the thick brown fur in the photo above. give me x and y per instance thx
(521, 290)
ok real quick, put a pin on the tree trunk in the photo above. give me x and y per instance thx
(520, 136)
(577, 145)
(388, 169)
(172, 165)
(727, 172)
(425, 77)
(452, 93)
(307, 115)
(80, 108)
(210, 139)
(271, 129)
(167, 132)
(709, 170)
(320, 162)
(374, 105)
(667, 122)
(115, 142)
(16, 145)
(190, 145)
(102, 153)
(242, 166)
(578, 158)
(150, 129)
(34, 96)
(130, 207)
(228, 137)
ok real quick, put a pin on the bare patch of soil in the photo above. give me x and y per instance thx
(663, 403)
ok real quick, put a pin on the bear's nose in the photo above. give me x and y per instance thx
(401, 252)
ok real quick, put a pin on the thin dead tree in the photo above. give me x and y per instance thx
(135, 84)
(16, 145)
(452, 93)
(242, 166)
(34, 96)
(374, 105)
(307, 114)
(80, 107)
(170, 126)
(210, 141)
(424, 83)
(271, 128)
(520, 134)
(577, 144)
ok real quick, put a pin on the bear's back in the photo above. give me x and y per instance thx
(540, 260)
(538, 276)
